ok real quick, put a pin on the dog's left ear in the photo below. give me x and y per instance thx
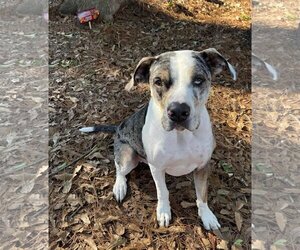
(216, 62)
(141, 72)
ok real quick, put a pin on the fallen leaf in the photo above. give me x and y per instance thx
(85, 218)
(258, 245)
(108, 219)
(27, 187)
(91, 243)
(223, 192)
(223, 245)
(105, 185)
(76, 170)
(183, 184)
(97, 155)
(120, 229)
(41, 170)
(261, 212)
(89, 198)
(119, 241)
(238, 220)
(186, 204)
(281, 220)
(207, 243)
(239, 205)
(73, 99)
(225, 212)
(63, 176)
(73, 200)
(67, 186)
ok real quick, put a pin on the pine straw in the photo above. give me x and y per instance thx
(88, 74)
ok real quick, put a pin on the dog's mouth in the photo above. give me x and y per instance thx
(189, 124)
(176, 125)
(180, 127)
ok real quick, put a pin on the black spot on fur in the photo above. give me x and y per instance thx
(202, 66)
(161, 68)
(130, 132)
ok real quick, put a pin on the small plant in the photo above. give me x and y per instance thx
(280, 243)
(291, 17)
(227, 167)
(245, 17)
(238, 243)
(170, 3)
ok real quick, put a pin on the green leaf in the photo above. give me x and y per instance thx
(245, 17)
(291, 17)
(281, 242)
(238, 242)
(227, 167)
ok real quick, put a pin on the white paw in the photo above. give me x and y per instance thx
(120, 188)
(163, 213)
(209, 220)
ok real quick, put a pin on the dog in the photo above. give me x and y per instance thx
(173, 132)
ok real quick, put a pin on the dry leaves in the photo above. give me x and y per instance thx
(88, 72)
(238, 220)
(281, 220)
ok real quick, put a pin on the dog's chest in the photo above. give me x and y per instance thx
(178, 153)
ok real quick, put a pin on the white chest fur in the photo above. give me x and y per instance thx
(177, 152)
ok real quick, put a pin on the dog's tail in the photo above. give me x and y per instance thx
(100, 128)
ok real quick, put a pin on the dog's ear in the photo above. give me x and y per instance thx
(216, 62)
(141, 72)
(257, 62)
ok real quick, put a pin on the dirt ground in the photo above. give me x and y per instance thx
(88, 72)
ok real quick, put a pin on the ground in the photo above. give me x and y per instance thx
(88, 72)
(275, 142)
(23, 129)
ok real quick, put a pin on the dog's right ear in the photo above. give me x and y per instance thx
(141, 72)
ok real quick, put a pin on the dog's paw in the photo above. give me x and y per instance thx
(120, 188)
(209, 220)
(163, 214)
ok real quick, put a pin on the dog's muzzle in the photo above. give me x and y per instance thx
(178, 112)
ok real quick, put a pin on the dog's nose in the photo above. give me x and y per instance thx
(178, 112)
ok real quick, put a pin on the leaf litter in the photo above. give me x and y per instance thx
(89, 89)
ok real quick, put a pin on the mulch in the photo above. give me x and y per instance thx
(88, 72)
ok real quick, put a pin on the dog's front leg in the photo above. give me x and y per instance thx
(209, 220)
(163, 211)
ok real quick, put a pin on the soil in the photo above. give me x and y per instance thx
(88, 72)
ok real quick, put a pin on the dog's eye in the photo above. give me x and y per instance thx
(198, 82)
(157, 81)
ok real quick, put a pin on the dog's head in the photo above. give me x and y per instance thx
(180, 82)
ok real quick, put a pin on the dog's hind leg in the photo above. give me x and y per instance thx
(126, 159)
(209, 220)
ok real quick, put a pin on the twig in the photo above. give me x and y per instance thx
(20, 167)
(69, 218)
(64, 165)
